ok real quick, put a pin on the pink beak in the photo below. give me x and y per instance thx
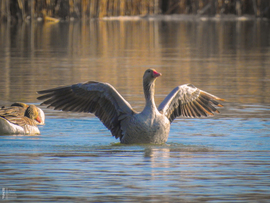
(156, 74)
(38, 119)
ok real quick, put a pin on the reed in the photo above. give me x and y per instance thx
(87, 9)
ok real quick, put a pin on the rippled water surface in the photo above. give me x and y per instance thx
(219, 159)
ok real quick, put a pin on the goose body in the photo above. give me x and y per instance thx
(21, 118)
(145, 128)
(151, 126)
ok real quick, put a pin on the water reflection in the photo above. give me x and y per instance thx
(218, 56)
(134, 173)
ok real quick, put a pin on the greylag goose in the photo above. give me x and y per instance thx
(21, 118)
(152, 125)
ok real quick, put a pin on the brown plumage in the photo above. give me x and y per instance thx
(16, 109)
(20, 118)
(152, 125)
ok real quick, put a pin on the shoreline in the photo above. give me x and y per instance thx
(185, 17)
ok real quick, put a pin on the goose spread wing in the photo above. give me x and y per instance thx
(102, 99)
(189, 101)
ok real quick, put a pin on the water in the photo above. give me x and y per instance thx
(220, 159)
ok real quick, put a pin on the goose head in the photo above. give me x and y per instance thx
(150, 75)
(33, 113)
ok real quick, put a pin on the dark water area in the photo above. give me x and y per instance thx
(218, 159)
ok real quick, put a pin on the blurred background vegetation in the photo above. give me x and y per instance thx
(55, 10)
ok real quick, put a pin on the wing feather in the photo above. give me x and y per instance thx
(189, 101)
(191, 110)
(102, 99)
(197, 113)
